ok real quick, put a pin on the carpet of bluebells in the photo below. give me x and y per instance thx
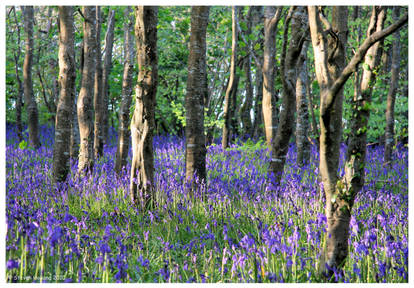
(246, 230)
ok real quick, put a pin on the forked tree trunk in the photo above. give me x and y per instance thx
(331, 80)
(302, 124)
(395, 70)
(30, 102)
(355, 157)
(228, 112)
(123, 126)
(67, 77)
(143, 122)
(195, 156)
(288, 64)
(98, 96)
(85, 99)
(109, 44)
(270, 112)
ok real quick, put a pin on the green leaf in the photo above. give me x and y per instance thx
(23, 145)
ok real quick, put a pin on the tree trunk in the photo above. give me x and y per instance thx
(247, 63)
(123, 127)
(228, 114)
(20, 88)
(331, 78)
(257, 16)
(67, 77)
(30, 101)
(109, 44)
(355, 157)
(143, 122)
(395, 70)
(195, 156)
(270, 113)
(302, 125)
(288, 65)
(85, 99)
(98, 95)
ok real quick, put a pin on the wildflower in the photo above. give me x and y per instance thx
(12, 264)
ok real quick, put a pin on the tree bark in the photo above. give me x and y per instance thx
(67, 77)
(270, 113)
(288, 64)
(331, 78)
(247, 63)
(20, 88)
(109, 44)
(85, 99)
(143, 122)
(302, 125)
(355, 157)
(74, 136)
(395, 70)
(30, 101)
(195, 156)
(228, 112)
(98, 95)
(127, 85)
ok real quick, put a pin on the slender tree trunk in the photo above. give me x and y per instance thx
(227, 111)
(98, 95)
(123, 127)
(247, 65)
(331, 80)
(270, 113)
(195, 156)
(314, 124)
(67, 76)
(75, 136)
(20, 88)
(288, 64)
(257, 16)
(143, 122)
(355, 157)
(30, 101)
(109, 44)
(85, 99)
(395, 70)
(302, 125)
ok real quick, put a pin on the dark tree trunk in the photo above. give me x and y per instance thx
(107, 66)
(302, 124)
(288, 64)
(143, 122)
(85, 99)
(195, 156)
(270, 113)
(98, 95)
(127, 85)
(228, 112)
(395, 70)
(67, 76)
(30, 101)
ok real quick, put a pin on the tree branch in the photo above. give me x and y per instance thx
(358, 57)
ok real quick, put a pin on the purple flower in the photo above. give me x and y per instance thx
(12, 264)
